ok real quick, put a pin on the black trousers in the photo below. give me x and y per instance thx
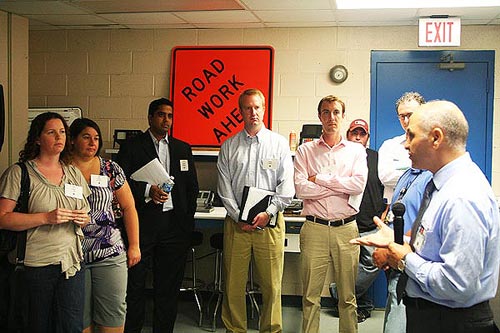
(428, 317)
(164, 248)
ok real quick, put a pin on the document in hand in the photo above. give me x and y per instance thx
(253, 202)
(155, 174)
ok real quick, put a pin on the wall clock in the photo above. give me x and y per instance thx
(338, 74)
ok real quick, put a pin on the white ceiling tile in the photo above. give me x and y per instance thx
(70, 19)
(225, 16)
(466, 13)
(376, 15)
(40, 7)
(237, 13)
(230, 25)
(160, 26)
(128, 6)
(300, 24)
(475, 22)
(296, 16)
(287, 4)
(365, 23)
(143, 18)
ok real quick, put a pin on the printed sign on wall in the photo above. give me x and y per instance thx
(205, 84)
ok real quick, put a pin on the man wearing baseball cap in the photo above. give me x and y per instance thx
(372, 204)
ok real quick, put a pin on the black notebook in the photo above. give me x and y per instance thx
(253, 202)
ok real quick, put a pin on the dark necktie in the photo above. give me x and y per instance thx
(426, 199)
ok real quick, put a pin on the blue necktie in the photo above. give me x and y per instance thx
(426, 199)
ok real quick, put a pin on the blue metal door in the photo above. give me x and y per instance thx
(396, 72)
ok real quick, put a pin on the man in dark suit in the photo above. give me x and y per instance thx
(166, 220)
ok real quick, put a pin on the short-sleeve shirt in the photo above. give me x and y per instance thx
(50, 244)
(102, 235)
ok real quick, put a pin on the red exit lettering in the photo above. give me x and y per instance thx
(438, 32)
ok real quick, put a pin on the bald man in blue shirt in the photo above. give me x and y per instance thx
(453, 261)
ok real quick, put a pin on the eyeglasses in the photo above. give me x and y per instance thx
(404, 116)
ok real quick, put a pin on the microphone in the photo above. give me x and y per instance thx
(398, 209)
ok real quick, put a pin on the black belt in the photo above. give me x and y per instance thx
(331, 223)
(420, 303)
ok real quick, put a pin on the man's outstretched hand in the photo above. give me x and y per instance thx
(382, 238)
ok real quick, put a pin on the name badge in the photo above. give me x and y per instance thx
(99, 180)
(73, 191)
(184, 165)
(270, 163)
(419, 239)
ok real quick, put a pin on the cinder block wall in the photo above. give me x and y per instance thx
(114, 74)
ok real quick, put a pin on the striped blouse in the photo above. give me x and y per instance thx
(102, 235)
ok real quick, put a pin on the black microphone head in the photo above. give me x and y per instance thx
(398, 209)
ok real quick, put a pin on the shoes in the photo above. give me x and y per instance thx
(363, 315)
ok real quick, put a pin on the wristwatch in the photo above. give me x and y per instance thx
(401, 265)
(270, 215)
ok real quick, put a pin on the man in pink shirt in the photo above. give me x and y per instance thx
(330, 177)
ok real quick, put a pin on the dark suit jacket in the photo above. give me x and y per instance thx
(372, 203)
(139, 151)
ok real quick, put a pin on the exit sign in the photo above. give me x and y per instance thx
(439, 31)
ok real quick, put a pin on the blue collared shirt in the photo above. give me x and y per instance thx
(262, 161)
(409, 191)
(458, 263)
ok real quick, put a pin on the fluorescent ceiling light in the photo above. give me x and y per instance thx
(379, 4)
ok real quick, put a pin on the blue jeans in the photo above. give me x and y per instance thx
(395, 314)
(367, 274)
(55, 303)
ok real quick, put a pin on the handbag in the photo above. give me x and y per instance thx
(13, 303)
(9, 238)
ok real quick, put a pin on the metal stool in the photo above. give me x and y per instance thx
(196, 240)
(217, 242)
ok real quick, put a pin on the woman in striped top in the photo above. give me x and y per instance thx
(105, 254)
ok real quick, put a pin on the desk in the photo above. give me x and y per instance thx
(293, 224)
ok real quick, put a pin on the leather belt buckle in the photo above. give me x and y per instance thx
(331, 223)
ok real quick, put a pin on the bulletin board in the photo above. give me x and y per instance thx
(205, 85)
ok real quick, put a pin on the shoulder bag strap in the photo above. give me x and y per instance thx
(23, 208)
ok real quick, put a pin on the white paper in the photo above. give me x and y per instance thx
(152, 173)
(99, 180)
(73, 191)
(254, 196)
(155, 174)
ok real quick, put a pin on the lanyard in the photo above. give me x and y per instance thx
(408, 184)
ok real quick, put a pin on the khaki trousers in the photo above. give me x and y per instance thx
(268, 247)
(320, 245)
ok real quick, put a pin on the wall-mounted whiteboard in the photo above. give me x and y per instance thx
(69, 113)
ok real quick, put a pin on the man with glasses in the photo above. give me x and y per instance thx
(330, 176)
(393, 158)
(451, 262)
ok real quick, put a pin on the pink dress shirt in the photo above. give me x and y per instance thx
(341, 171)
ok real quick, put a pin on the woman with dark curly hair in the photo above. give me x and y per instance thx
(58, 209)
(106, 257)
